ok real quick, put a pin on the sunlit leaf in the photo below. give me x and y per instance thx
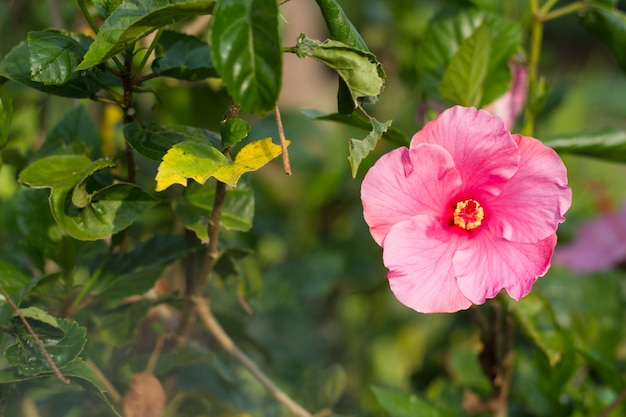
(183, 57)
(57, 171)
(250, 158)
(359, 149)
(247, 51)
(188, 159)
(134, 19)
(445, 36)
(463, 80)
(607, 145)
(359, 69)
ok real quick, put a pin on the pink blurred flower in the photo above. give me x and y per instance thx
(510, 104)
(599, 244)
(466, 211)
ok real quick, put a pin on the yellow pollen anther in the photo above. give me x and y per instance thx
(468, 214)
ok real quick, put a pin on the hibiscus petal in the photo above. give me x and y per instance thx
(404, 183)
(418, 253)
(533, 201)
(485, 264)
(482, 149)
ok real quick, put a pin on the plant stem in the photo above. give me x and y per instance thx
(146, 56)
(203, 310)
(536, 36)
(562, 11)
(283, 141)
(85, 11)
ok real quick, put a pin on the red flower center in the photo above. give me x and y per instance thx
(468, 214)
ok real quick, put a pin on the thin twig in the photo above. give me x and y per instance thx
(110, 389)
(283, 141)
(38, 341)
(212, 325)
(156, 352)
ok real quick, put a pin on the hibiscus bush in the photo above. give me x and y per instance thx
(312, 208)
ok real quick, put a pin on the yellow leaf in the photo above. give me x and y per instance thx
(250, 158)
(188, 159)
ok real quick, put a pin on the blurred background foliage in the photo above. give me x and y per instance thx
(323, 319)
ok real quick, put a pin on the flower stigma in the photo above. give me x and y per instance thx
(468, 214)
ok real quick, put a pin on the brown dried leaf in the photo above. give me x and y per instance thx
(145, 397)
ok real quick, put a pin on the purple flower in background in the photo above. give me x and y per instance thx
(599, 244)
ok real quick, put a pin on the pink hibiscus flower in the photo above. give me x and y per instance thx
(466, 211)
(600, 244)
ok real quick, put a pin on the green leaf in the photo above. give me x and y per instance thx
(188, 159)
(536, 319)
(111, 209)
(233, 131)
(81, 198)
(134, 19)
(395, 136)
(16, 67)
(106, 7)
(342, 30)
(360, 70)
(463, 79)
(444, 38)
(608, 145)
(6, 116)
(196, 207)
(56, 171)
(200, 161)
(17, 284)
(53, 57)
(605, 368)
(154, 141)
(75, 130)
(137, 271)
(183, 57)
(339, 26)
(63, 339)
(359, 149)
(82, 373)
(78, 371)
(247, 51)
(119, 326)
(398, 404)
(609, 25)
